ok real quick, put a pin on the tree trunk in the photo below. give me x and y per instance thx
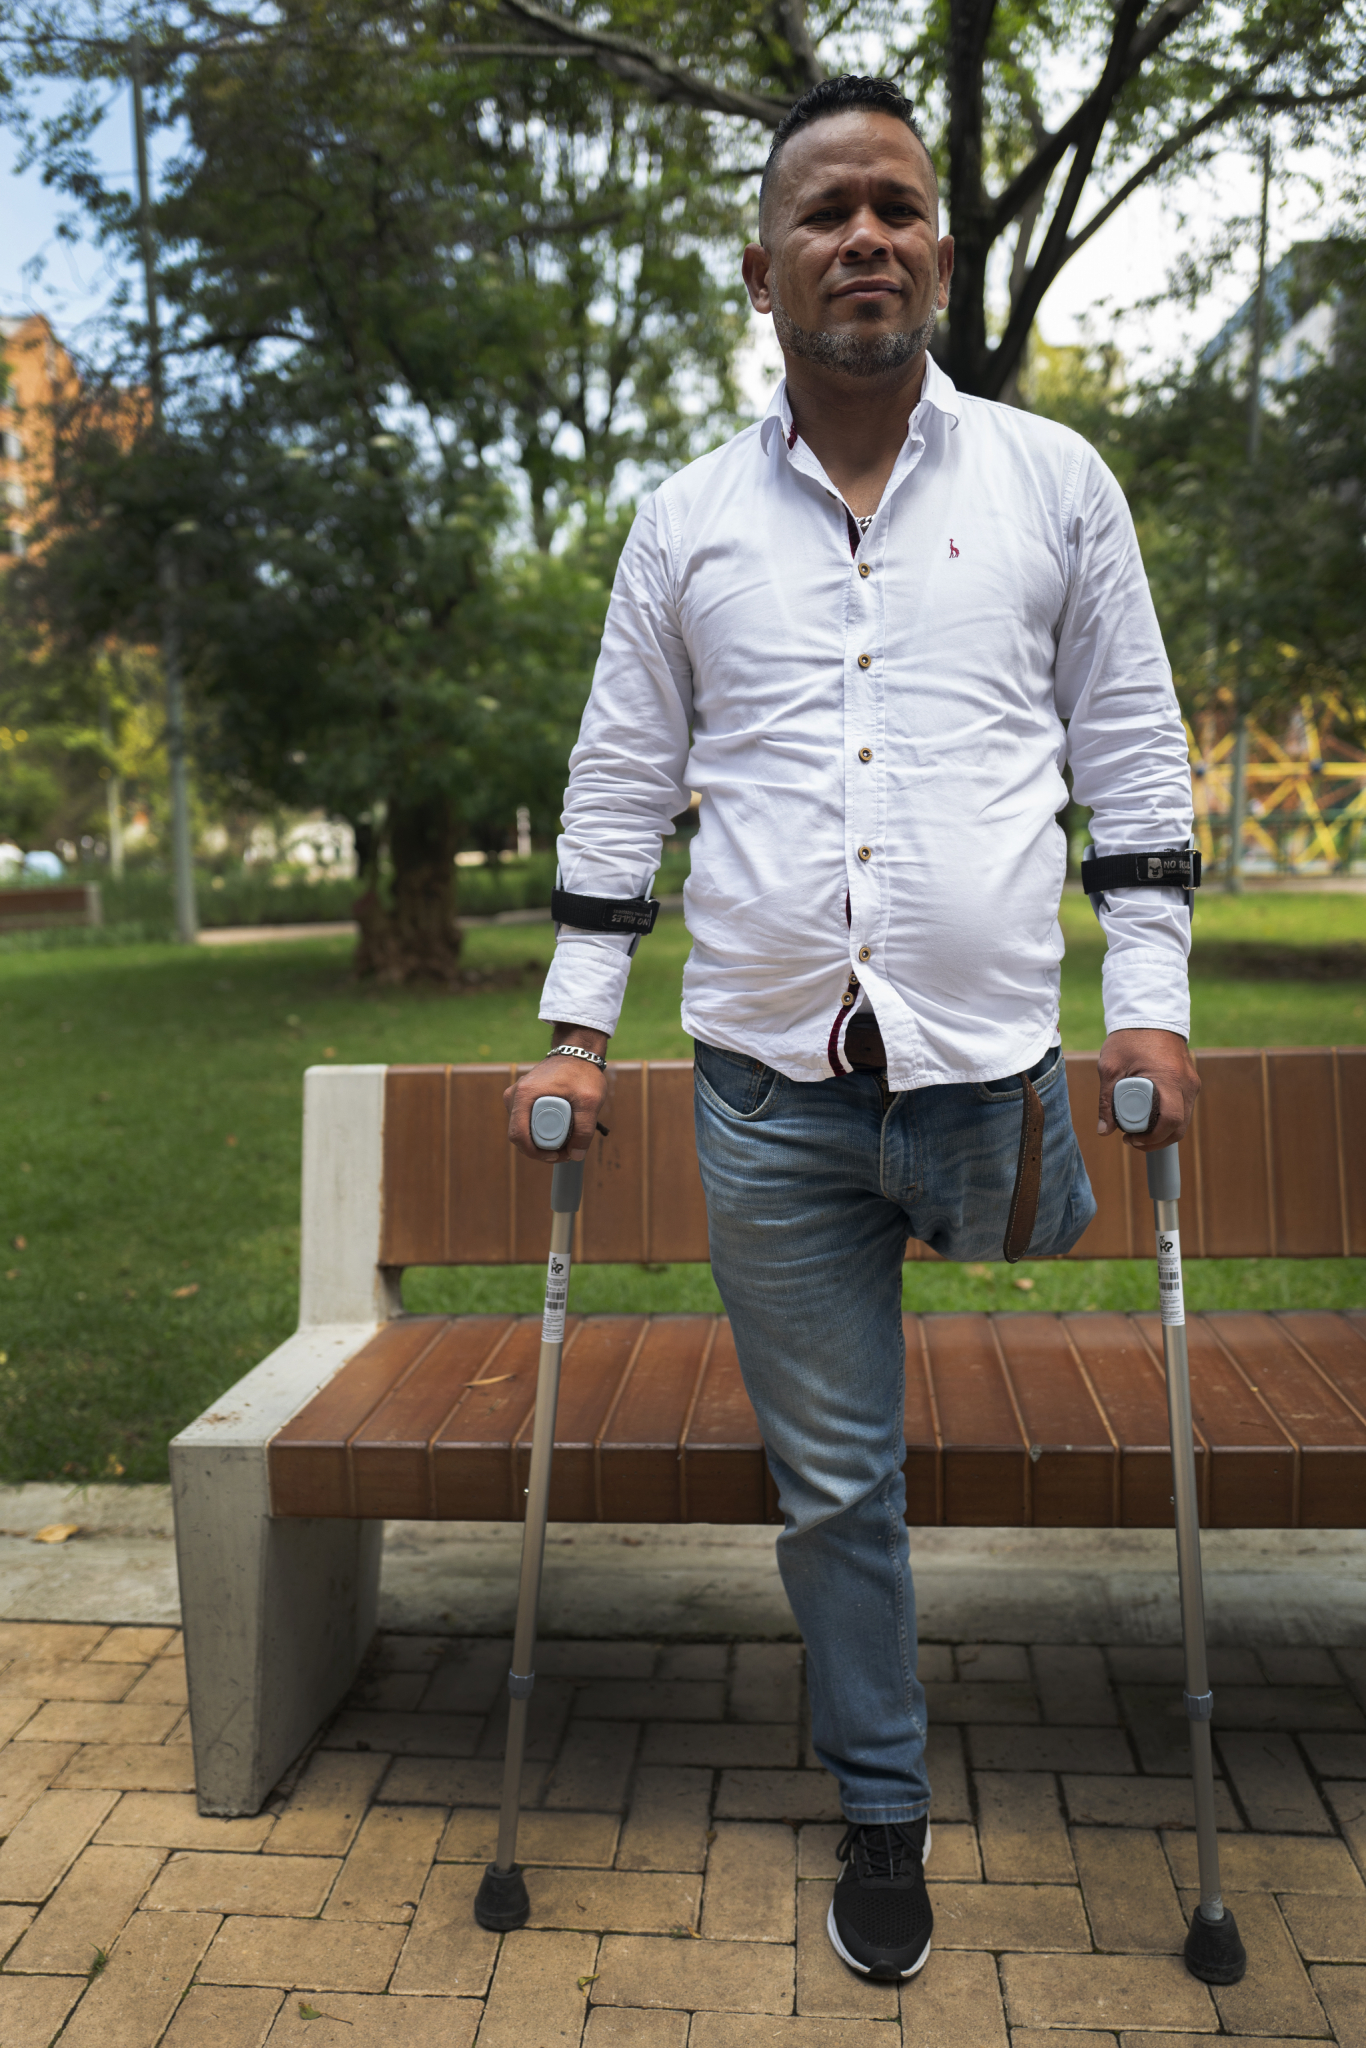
(414, 936)
(967, 356)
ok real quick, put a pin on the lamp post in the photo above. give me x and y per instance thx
(1238, 804)
(186, 920)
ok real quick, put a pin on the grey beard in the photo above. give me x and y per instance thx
(850, 352)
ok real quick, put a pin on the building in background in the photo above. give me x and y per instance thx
(1302, 301)
(36, 373)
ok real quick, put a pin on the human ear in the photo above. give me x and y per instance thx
(754, 269)
(945, 269)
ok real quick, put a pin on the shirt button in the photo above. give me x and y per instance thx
(865, 661)
(865, 952)
(865, 753)
(864, 570)
(847, 998)
(865, 853)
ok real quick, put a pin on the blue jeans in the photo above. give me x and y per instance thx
(812, 1190)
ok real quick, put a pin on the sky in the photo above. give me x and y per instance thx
(1093, 299)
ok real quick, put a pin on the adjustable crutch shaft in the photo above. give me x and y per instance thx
(1199, 1700)
(1214, 1951)
(522, 1675)
(501, 1902)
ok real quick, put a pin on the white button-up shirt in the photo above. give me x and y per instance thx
(878, 733)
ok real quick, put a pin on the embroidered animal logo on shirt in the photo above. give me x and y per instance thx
(953, 551)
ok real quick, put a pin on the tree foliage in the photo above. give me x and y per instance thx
(1044, 116)
(401, 317)
(436, 269)
(1257, 561)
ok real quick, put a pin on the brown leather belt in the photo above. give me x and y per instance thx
(863, 1049)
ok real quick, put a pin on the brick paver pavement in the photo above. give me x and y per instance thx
(681, 1843)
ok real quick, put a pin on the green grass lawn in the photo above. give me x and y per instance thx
(149, 1154)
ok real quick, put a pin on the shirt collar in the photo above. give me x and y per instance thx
(938, 390)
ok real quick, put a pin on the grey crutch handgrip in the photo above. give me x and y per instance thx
(1214, 1950)
(1133, 1105)
(552, 1119)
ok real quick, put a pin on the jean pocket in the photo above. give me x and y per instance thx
(1043, 1074)
(740, 1086)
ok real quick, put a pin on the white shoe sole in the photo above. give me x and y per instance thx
(862, 1968)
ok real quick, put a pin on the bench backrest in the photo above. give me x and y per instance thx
(35, 909)
(1271, 1167)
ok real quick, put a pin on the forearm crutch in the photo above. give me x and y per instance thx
(1214, 1950)
(501, 1902)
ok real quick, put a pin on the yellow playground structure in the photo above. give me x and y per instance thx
(1306, 792)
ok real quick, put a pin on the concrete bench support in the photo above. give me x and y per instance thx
(278, 1614)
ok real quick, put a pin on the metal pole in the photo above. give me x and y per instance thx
(1214, 1949)
(186, 919)
(1238, 805)
(502, 1902)
(114, 787)
(1233, 881)
(1199, 1697)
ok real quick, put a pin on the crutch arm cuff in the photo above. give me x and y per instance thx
(631, 914)
(1174, 867)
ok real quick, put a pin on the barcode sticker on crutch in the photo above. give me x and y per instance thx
(556, 1295)
(1169, 1276)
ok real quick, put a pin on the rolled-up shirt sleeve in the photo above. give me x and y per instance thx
(1127, 747)
(626, 774)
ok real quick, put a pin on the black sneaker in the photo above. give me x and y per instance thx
(880, 1918)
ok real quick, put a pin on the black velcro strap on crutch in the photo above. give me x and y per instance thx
(1176, 867)
(633, 914)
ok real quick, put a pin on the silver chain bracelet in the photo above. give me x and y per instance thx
(578, 1052)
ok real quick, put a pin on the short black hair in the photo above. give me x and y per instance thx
(848, 94)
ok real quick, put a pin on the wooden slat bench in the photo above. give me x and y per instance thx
(1031, 1418)
(36, 909)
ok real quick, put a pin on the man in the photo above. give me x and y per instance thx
(870, 630)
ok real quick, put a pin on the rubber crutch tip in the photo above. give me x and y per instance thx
(501, 1902)
(1214, 1949)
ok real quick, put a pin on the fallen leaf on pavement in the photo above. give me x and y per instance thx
(184, 1293)
(56, 1532)
(584, 1982)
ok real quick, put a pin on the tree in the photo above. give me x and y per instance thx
(486, 236)
(385, 293)
(1256, 565)
(1028, 164)
(1044, 119)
